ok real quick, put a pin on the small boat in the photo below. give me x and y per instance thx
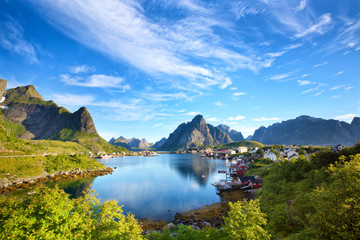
(221, 171)
(203, 176)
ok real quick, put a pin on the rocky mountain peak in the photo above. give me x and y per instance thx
(84, 121)
(23, 93)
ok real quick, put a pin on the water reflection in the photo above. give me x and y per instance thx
(74, 188)
(157, 187)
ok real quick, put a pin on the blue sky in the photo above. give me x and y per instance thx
(144, 67)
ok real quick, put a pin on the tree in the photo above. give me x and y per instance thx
(245, 221)
(337, 206)
(50, 214)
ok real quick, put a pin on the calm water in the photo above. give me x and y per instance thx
(151, 186)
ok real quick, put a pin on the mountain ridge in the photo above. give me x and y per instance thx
(194, 133)
(307, 130)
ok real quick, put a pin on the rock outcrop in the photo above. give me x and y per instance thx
(195, 133)
(159, 143)
(233, 134)
(44, 119)
(306, 130)
(132, 143)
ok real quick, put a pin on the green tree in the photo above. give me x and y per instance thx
(50, 214)
(245, 221)
(337, 206)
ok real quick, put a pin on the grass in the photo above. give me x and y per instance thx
(22, 166)
(33, 166)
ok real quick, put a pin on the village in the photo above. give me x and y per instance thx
(241, 158)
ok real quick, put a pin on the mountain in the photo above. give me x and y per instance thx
(42, 119)
(194, 133)
(233, 134)
(159, 143)
(132, 143)
(306, 130)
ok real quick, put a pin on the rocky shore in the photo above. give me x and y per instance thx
(12, 182)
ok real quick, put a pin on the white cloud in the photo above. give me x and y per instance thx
(348, 88)
(320, 64)
(302, 5)
(337, 87)
(338, 73)
(233, 88)
(263, 119)
(97, 80)
(318, 93)
(81, 69)
(319, 28)
(122, 31)
(213, 119)
(159, 97)
(346, 117)
(219, 104)
(192, 113)
(237, 118)
(281, 77)
(236, 94)
(336, 96)
(73, 100)
(304, 82)
(12, 38)
(305, 75)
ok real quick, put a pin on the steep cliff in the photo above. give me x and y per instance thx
(194, 133)
(306, 130)
(132, 143)
(233, 134)
(46, 120)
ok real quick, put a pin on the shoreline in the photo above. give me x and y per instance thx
(12, 182)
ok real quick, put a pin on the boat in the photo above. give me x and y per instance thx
(241, 183)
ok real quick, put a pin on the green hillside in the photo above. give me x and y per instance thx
(245, 143)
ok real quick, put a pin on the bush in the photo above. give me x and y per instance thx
(50, 214)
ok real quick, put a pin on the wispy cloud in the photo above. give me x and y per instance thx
(318, 93)
(192, 113)
(319, 28)
(219, 104)
(338, 73)
(281, 77)
(73, 100)
(212, 119)
(320, 64)
(159, 97)
(12, 38)
(264, 119)
(336, 96)
(237, 118)
(346, 117)
(97, 80)
(348, 88)
(302, 5)
(122, 31)
(81, 69)
(236, 94)
(304, 82)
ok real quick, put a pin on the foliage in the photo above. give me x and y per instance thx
(288, 200)
(50, 214)
(337, 206)
(187, 232)
(22, 166)
(33, 166)
(68, 162)
(244, 143)
(245, 221)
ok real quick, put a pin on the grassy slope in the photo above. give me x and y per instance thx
(245, 143)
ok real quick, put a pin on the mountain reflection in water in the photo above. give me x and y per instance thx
(158, 187)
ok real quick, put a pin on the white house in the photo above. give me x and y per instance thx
(230, 151)
(270, 155)
(242, 149)
(292, 154)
